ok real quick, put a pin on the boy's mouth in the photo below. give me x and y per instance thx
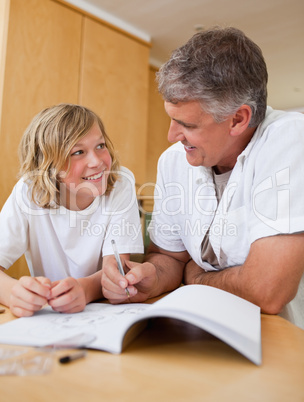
(94, 177)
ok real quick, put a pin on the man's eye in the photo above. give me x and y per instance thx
(188, 126)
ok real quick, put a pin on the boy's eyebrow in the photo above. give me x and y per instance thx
(80, 144)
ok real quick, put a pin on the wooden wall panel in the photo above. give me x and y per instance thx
(114, 83)
(4, 20)
(157, 142)
(158, 127)
(41, 69)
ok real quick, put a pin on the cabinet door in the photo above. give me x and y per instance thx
(157, 140)
(114, 83)
(41, 69)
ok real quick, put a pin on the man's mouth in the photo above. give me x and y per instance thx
(188, 147)
(94, 177)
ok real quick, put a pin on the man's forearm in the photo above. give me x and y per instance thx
(268, 278)
(226, 279)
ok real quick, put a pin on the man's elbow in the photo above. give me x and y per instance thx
(274, 302)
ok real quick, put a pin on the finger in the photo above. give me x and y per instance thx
(70, 302)
(61, 287)
(116, 293)
(26, 294)
(112, 273)
(20, 307)
(21, 312)
(70, 308)
(33, 285)
(63, 302)
(112, 280)
(44, 281)
(139, 272)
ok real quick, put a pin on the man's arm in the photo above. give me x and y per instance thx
(269, 277)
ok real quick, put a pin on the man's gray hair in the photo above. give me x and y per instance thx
(222, 69)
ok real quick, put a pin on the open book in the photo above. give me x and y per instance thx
(110, 327)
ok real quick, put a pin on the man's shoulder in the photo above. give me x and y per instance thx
(275, 118)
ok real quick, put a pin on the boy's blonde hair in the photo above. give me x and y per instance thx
(45, 148)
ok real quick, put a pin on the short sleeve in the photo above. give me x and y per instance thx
(124, 224)
(13, 228)
(163, 229)
(277, 202)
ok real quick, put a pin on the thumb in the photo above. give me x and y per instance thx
(43, 280)
(131, 264)
(139, 272)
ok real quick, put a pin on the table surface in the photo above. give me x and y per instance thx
(172, 361)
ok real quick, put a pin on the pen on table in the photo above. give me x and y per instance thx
(119, 263)
(72, 357)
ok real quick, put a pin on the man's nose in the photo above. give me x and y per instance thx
(175, 132)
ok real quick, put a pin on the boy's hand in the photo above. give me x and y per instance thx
(113, 283)
(139, 279)
(67, 296)
(29, 295)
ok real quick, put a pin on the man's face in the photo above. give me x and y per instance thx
(206, 142)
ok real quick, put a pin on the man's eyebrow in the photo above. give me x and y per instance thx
(182, 123)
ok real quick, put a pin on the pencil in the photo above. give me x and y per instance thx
(119, 263)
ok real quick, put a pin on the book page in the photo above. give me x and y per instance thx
(228, 317)
(105, 322)
(231, 318)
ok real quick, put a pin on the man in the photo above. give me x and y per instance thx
(228, 209)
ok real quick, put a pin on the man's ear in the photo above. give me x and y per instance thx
(240, 120)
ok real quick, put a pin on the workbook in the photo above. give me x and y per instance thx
(110, 327)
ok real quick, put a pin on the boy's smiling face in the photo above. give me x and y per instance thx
(85, 174)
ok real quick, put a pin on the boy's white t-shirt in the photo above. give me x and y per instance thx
(58, 243)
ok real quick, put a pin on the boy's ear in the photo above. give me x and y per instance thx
(240, 120)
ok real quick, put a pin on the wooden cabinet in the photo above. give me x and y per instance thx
(41, 58)
(41, 69)
(114, 83)
(157, 142)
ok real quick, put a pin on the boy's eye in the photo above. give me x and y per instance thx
(77, 153)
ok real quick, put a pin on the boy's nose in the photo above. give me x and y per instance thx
(93, 159)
